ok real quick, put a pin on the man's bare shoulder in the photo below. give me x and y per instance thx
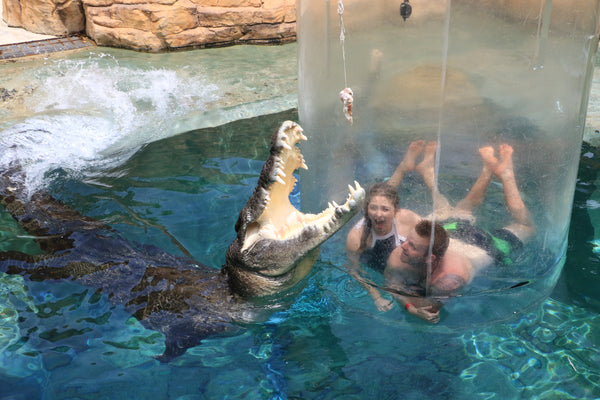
(407, 218)
(456, 264)
(405, 213)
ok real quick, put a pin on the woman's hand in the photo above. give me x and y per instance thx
(383, 304)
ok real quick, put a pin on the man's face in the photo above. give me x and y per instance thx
(414, 249)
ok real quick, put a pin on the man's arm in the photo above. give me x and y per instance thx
(412, 300)
(448, 285)
(429, 309)
(417, 305)
(420, 307)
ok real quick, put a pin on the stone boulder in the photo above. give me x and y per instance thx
(48, 17)
(172, 24)
(156, 25)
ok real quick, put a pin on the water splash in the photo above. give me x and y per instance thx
(88, 114)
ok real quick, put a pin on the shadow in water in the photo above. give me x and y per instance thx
(580, 278)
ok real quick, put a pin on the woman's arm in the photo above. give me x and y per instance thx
(353, 266)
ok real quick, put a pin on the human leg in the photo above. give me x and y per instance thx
(427, 166)
(442, 207)
(523, 225)
(408, 163)
(477, 193)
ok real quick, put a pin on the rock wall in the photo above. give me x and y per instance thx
(155, 25)
(48, 17)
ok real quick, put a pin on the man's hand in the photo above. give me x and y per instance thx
(427, 313)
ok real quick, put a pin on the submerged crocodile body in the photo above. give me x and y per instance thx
(275, 248)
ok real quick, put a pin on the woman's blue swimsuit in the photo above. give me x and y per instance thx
(376, 256)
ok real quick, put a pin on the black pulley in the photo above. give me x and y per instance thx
(405, 10)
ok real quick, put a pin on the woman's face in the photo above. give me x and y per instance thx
(381, 212)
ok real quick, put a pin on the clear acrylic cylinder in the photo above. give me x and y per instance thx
(466, 74)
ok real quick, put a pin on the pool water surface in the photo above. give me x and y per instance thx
(183, 192)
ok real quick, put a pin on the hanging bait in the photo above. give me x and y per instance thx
(405, 10)
(347, 97)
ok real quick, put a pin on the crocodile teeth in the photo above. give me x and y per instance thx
(356, 192)
(288, 125)
(286, 146)
(303, 163)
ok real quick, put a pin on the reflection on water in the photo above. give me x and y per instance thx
(59, 340)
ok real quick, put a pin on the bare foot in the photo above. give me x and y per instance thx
(505, 167)
(410, 159)
(428, 163)
(490, 162)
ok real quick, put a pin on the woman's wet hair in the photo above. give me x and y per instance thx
(441, 240)
(378, 189)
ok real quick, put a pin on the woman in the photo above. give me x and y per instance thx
(383, 227)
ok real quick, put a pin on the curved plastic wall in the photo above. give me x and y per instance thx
(466, 74)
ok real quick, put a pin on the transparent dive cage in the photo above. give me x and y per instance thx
(466, 74)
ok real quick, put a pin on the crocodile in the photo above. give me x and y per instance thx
(274, 249)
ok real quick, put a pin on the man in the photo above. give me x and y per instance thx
(422, 277)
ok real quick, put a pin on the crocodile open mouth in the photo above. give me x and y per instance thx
(276, 244)
(280, 220)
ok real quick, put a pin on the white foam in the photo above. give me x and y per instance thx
(81, 109)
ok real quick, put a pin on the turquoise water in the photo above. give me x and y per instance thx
(59, 340)
(164, 184)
